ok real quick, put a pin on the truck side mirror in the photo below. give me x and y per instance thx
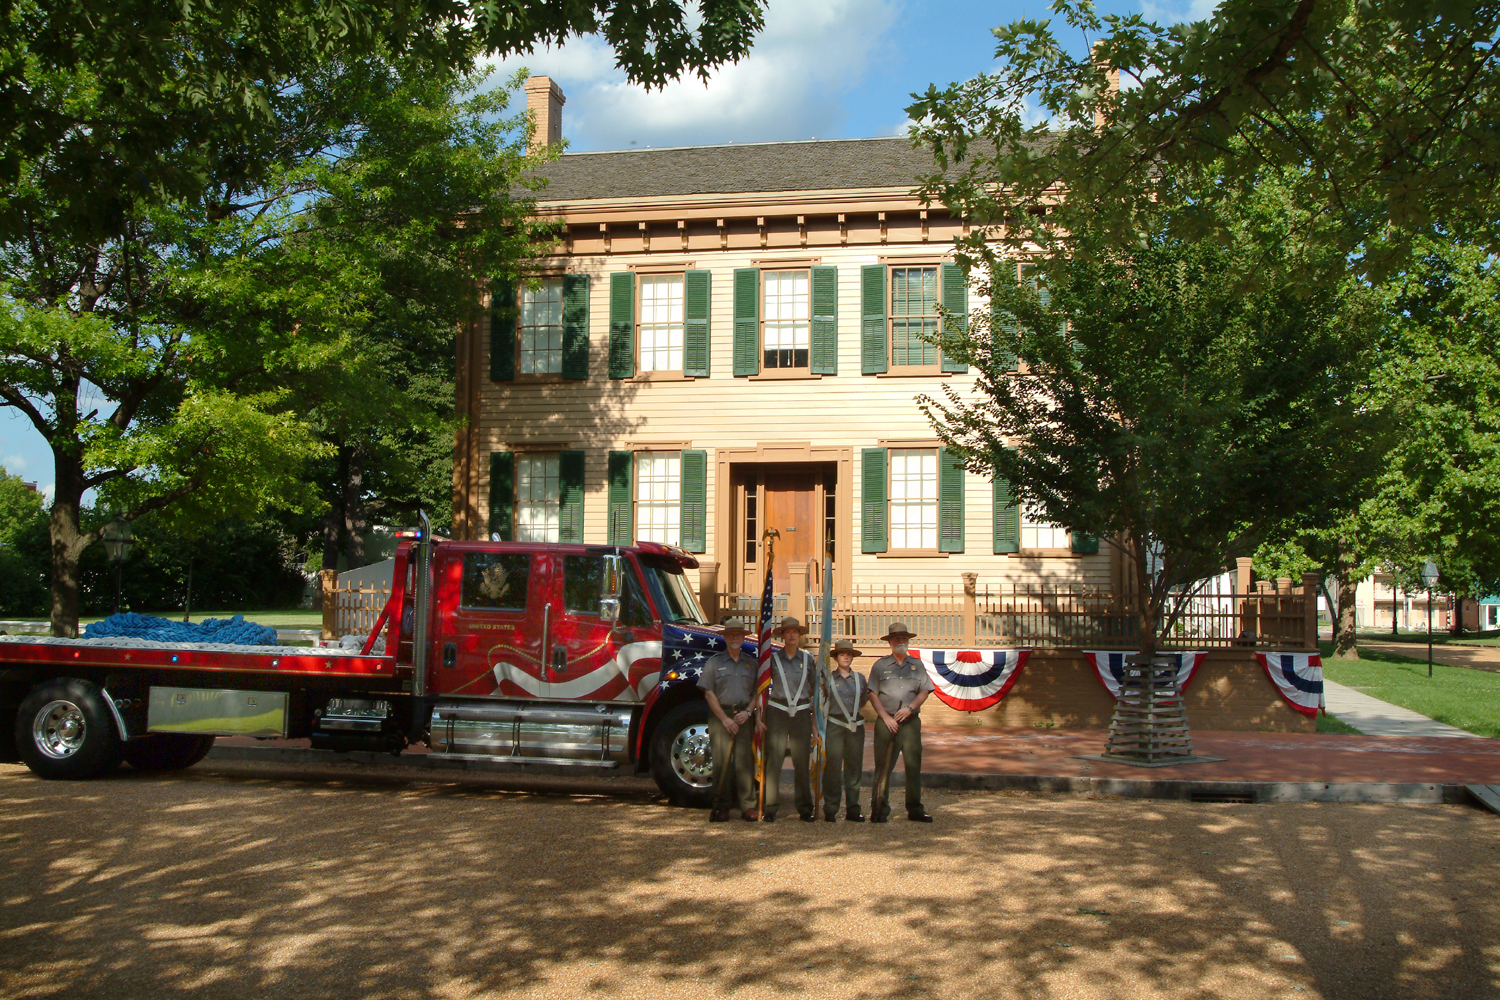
(609, 589)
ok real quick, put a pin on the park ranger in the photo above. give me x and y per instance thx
(898, 686)
(844, 742)
(728, 683)
(788, 721)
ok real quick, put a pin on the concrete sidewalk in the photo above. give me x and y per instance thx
(1374, 717)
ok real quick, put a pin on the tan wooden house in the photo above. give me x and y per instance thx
(730, 339)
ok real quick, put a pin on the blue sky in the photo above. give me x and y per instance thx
(826, 69)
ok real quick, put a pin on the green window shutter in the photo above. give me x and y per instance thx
(503, 331)
(1007, 515)
(693, 519)
(621, 465)
(950, 502)
(502, 495)
(825, 321)
(746, 321)
(872, 519)
(1003, 329)
(1083, 544)
(695, 323)
(956, 301)
(622, 325)
(874, 351)
(575, 360)
(570, 492)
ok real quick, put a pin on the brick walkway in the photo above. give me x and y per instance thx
(1286, 757)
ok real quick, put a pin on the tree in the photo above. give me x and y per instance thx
(22, 517)
(1143, 394)
(173, 94)
(213, 333)
(1379, 110)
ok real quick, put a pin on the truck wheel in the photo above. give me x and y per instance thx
(680, 759)
(65, 730)
(166, 751)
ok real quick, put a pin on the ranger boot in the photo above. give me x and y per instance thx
(854, 815)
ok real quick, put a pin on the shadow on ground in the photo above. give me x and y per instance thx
(247, 880)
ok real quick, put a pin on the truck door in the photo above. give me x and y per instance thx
(592, 660)
(489, 623)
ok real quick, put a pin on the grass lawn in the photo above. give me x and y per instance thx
(1468, 699)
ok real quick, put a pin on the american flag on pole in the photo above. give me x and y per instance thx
(763, 673)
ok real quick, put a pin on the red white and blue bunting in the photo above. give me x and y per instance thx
(1298, 678)
(971, 680)
(1109, 666)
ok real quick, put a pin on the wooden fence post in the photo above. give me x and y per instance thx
(328, 580)
(1310, 608)
(708, 590)
(1242, 591)
(971, 613)
(796, 602)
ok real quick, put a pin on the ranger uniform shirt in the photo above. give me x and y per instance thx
(732, 681)
(848, 692)
(897, 686)
(794, 670)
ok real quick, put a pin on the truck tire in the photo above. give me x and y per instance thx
(166, 751)
(64, 730)
(680, 758)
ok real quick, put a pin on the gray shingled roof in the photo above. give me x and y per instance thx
(822, 164)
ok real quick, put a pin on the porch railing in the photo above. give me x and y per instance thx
(994, 615)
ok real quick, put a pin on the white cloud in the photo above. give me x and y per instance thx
(14, 464)
(791, 86)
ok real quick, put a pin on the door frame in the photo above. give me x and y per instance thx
(784, 453)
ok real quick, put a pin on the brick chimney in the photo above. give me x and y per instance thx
(1112, 74)
(544, 99)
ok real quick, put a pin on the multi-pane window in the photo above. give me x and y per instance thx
(788, 325)
(914, 317)
(914, 498)
(538, 498)
(1037, 534)
(541, 327)
(658, 497)
(661, 322)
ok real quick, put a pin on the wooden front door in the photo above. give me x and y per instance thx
(792, 509)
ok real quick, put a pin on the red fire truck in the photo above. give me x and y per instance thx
(536, 656)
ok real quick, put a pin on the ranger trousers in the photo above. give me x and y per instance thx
(789, 734)
(908, 740)
(737, 790)
(844, 765)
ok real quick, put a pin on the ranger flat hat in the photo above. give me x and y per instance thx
(789, 623)
(736, 625)
(844, 646)
(897, 628)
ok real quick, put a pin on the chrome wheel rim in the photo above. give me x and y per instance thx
(692, 759)
(59, 729)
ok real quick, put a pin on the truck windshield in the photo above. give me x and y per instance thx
(670, 589)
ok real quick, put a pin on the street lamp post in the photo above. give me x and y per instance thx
(1430, 578)
(118, 541)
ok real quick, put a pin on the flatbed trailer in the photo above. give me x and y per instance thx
(522, 654)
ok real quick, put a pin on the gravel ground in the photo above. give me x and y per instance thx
(246, 880)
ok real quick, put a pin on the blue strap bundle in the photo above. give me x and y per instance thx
(226, 630)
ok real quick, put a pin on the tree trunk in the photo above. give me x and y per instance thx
(1333, 608)
(1456, 625)
(68, 544)
(356, 521)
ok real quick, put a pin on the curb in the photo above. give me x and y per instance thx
(1188, 790)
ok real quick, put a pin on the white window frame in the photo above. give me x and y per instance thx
(661, 321)
(912, 492)
(1037, 534)
(539, 314)
(538, 496)
(786, 319)
(658, 497)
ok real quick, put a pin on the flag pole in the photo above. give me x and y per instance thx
(763, 668)
(820, 687)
